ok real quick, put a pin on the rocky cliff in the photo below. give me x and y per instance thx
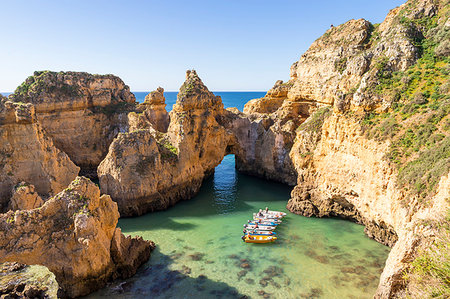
(148, 170)
(27, 154)
(74, 235)
(375, 144)
(81, 112)
(151, 113)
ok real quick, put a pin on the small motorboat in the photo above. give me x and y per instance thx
(259, 232)
(258, 239)
(266, 220)
(276, 213)
(267, 216)
(264, 223)
(260, 227)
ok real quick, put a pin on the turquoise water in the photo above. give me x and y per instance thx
(229, 98)
(200, 253)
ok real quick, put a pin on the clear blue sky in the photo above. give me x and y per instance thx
(233, 44)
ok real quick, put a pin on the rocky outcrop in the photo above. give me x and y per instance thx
(27, 154)
(25, 197)
(81, 112)
(74, 235)
(152, 113)
(147, 170)
(342, 171)
(24, 281)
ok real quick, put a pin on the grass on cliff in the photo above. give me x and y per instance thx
(418, 125)
(429, 274)
(42, 82)
(315, 121)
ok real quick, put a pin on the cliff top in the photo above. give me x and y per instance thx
(194, 94)
(46, 87)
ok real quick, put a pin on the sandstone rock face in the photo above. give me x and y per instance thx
(153, 113)
(74, 235)
(343, 66)
(147, 170)
(27, 154)
(24, 281)
(81, 112)
(339, 171)
(342, 173)
(25, 197)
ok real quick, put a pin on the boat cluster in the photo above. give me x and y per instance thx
(261, 228)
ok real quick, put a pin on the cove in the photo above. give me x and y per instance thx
(200, 253)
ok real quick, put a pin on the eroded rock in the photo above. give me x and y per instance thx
(74, 235)
(81, 112)
(28, 154)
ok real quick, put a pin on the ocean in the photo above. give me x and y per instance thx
(200, 253)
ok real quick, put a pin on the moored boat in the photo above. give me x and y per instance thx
(262, 227)
(259, 232)
(258, 239)
(263, 223)
(266, 220)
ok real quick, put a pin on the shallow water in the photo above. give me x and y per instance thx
(200, 253)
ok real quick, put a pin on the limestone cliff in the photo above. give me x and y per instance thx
(152, 113)
(81, 112)
(27, 154)
(148, 170)
(377, 152)
(74, 235)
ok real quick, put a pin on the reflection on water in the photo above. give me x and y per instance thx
(200, 253)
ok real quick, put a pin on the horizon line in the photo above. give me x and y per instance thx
(178, 91)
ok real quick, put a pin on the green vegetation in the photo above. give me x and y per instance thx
(418, 124)
(315, 122)
(20, 185)
(341, 64)
(43, 82)
(429, 275)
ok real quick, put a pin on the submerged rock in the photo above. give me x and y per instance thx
(25, 281)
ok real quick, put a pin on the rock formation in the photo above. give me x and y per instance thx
(74, 235)
(81, 112)
(152, 113)
(148, 170)
(353, 161)
(25, 197)
(28, 155)
(24, 281)
(359, 155)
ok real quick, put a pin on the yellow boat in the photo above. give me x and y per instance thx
(258, 239)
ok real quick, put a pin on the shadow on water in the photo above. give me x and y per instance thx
(163, 282)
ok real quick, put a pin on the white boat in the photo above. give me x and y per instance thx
(266, 220)
(260, 227)
(267, 216)
(276, 213)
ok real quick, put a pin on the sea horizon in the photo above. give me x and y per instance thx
(229, 98)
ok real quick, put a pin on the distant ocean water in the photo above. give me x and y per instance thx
(229, 98)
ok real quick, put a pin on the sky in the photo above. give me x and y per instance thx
(235, 45)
